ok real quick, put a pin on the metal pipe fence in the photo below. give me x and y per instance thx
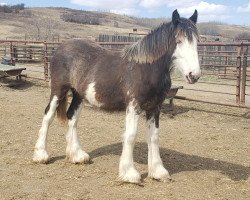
(224, 61)
(35, 53)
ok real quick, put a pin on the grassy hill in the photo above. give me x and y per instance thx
(46, 23)
(38, 23)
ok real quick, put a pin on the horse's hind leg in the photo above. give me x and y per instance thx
(156, 169)
(40, 153)
(74, 152)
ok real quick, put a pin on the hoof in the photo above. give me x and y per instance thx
(79, 157)
(160, 173)
(131, 176)
(40, 156)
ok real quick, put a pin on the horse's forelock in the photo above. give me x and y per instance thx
(186, 28)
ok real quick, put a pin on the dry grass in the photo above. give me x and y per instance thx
(16, 27)
(48, 20)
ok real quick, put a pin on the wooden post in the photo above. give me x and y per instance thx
(46, 63)
(220, 62)
(226, 64)
(214, 60)
(12, 54)
(243, 76)
(202, 58)
(238, 72)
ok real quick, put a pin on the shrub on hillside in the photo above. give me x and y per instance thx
(209, 29)
(80, 19)
(10, 9)
(149, 22)
(243, 36)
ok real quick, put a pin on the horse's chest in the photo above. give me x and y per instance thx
(152, 100)
(151, 96)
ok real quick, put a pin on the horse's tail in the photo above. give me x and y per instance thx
(62, 109)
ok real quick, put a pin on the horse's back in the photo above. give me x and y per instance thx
(72, 61)
(74, 52)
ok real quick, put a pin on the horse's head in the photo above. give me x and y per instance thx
(185, 56)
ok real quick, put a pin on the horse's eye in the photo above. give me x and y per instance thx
(178, 41)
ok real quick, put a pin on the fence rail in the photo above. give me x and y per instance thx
(26, 51)
(226, 61)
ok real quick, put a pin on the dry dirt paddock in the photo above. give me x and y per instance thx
(205, 148)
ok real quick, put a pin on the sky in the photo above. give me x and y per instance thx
(227, 11)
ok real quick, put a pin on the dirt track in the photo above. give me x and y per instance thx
(205, 148)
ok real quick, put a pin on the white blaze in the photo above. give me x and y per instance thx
(186, 57)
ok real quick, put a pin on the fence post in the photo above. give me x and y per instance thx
(12, 54)
(238, 72)
(202, 58)
(243, 76)
(219, 53)
(226, 64)
(46, 63)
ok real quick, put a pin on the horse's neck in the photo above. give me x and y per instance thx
(158, 72)
(162, 65)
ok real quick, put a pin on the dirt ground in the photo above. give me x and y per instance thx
(205, 148)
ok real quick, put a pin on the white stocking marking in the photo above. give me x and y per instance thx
(73, 151)
(127, 171)
(40, 153)
(156, 169)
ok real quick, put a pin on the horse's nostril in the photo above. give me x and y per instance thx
(191, 76)
(195, 78)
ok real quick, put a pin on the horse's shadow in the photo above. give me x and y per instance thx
(177, 162)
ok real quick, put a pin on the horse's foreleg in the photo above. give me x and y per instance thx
(40, 153)
(127, 171)
(156, 169)
(74, 152)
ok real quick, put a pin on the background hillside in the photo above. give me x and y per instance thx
(49, 23)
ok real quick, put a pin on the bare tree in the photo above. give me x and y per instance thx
(41, 29)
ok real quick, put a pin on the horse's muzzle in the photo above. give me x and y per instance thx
(192, 78)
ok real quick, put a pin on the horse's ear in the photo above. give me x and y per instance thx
(194, 17)
(175, 17)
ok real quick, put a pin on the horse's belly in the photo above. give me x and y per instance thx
(90, 95)
(104, 100)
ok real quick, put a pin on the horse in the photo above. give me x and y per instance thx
(135, 79)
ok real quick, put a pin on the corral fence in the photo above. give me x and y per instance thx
(35, 54)
(224, 66)
(120, 41)
(229, 62)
